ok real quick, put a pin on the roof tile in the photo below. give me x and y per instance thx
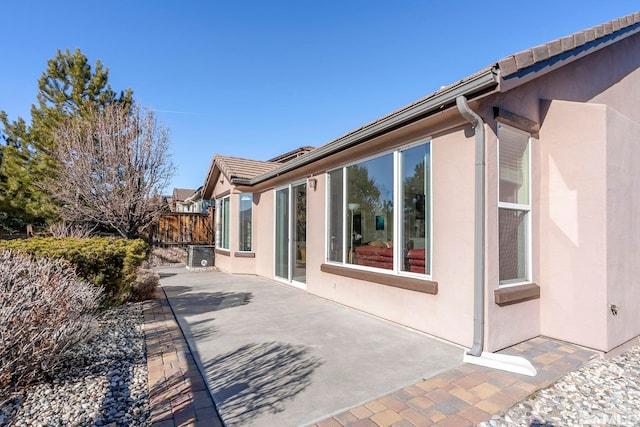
(181, 194)
(589, 35)
(616, 25)
(540, 53)
(236, 167)
(568, 43)
(524, 58)
(555, 47)
(528, 57)
(508, 65)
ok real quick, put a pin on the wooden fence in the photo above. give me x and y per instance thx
(182, 228)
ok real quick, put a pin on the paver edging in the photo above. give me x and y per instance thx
(178, 393)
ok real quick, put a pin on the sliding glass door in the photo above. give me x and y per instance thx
(291, 234)
(282, 233)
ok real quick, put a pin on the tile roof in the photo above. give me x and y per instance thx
(181, 194)
(236, 167)
(538, 54)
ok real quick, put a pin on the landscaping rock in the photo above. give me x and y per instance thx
(105, 383)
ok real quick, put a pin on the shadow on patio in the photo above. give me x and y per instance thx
(259, 378)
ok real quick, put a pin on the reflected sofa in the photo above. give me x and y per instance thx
(375, 254)
(380, 255)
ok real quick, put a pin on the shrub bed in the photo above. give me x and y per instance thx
(108, 263)
(45, 311)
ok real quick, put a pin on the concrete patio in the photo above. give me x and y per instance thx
(274, 355)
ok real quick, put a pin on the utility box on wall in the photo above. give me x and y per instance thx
(200, 256)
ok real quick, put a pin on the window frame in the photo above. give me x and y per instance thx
(240, 223)
(520, 207)
(223, 226)
(398, 254)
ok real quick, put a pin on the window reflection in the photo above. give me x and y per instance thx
(362, 214)
(370, 203)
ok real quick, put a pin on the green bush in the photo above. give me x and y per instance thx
(108, 263)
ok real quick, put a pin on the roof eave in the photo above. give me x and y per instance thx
(439, 101)
(520, 76)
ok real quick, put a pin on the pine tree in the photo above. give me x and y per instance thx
(68, 88)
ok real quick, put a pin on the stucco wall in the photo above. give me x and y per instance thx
(623, 226)
(263, 232)
(316, 223)
(449, 314)
(573, 223)
(585, 186)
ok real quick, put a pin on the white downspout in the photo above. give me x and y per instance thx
(476, 355)
(478, 288)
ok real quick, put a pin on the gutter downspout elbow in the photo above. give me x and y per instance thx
(478, 307)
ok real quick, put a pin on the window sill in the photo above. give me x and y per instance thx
(244, 254)
(516, 294)
(409, 283)
(224, 252)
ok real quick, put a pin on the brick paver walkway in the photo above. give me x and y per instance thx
(463, 396)
(468, 394)
(178, 395)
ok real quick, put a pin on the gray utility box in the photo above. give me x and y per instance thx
(200, 256)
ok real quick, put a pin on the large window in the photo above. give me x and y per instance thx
(514, 206)
(222, 223)
(246, 225)
(379, 212)
(336, 211)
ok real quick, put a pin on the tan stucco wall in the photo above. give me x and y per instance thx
(573, 223)
(263, 232)
(449, 314)
(623, 226)
(316, 224)
(585, 186)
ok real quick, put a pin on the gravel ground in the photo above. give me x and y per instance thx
(105, 383)
(602, 393)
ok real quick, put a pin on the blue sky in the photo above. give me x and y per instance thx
(255, 79)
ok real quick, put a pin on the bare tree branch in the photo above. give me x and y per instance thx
(114, 166)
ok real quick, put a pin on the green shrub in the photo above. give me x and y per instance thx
(108, 263)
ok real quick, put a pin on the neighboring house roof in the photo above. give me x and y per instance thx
(197, 195)
(539, 59)
(181, 194)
